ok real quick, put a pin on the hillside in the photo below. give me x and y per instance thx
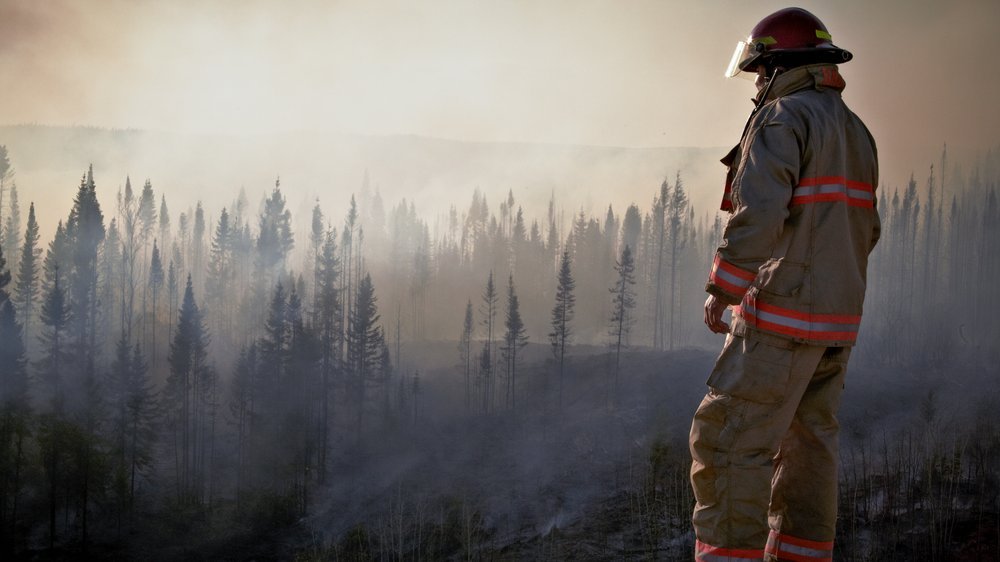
(432, 173)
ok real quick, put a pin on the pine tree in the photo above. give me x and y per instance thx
(12, 226)
(164, 220)
(85, 232)
(132, 404)
(130, 232)
(465, 353)
(364, 346)
(676, 211)
(562, 315)
(147, 223)
(185, 398)
(660, 207)
(218, 283)
(15, 421)
(55, 318)
(198, 247)
(155, 284)
(515, 338)
(172, 290)
(28, 283)
(622, 303)
(317, 238)
(242, 404)
(328, 318)
(141, 410)
(6, 174)
(489, 312)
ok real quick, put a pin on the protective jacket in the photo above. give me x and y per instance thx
(804, 219)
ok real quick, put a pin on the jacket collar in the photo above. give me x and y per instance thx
(818, 76)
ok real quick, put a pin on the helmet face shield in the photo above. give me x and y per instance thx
(745, 52)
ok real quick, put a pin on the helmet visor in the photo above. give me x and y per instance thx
(745, 52)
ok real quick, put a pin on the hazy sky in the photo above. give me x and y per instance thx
(629, 73)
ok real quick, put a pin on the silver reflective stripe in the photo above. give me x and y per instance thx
(804, 551)
(730, 278)
(778, 547)
(860, 194)
(804, 325)
(705, 557)
(823, 189)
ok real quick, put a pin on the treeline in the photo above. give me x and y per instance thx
(217, 363)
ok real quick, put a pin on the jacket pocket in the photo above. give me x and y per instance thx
(752, 370)
(781, 277)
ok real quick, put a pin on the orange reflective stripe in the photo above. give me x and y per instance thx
(786, 547)
(833, 189)
(708, 553)
(730, 278)
(788, 322)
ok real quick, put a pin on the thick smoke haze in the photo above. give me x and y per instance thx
(639, 74)
(423, 280)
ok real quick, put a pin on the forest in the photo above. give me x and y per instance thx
(185, 382)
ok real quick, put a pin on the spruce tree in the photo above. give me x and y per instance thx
(622, 303)
(28, 282)
(55, 319)
(15, 421)
(84, 232)
(676, 212)
(489, 312)
(185, 397)
(155, 284)
(12, 226)
(465, 353)
(328, 319)
(364, 347)
(562, 315)
(515, 338)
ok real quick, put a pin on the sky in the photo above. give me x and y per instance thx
(624, 73)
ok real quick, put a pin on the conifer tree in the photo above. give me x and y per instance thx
(364, 347)
(198, 247)
(84, 232)
(562, 316)
(676, 211)
(12, 226)
(489, 312)
(218, 283)
(15, 421)
(622, 303)
(515, 338)
(55, 319)
(242, 403)
(28, 283)
(328, 320)
(164, 223)
(155, 284)
(133, 412)
(465, 353)
(186, 398)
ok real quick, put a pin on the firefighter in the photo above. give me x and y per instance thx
(801, 192)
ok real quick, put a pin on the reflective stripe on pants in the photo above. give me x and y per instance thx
(764, 447)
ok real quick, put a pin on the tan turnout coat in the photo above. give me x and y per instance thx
(795, 250)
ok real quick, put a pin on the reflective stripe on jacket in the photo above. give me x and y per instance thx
(795, 250)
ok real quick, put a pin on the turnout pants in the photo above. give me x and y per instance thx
(764, 450)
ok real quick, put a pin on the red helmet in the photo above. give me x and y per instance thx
(790, 37)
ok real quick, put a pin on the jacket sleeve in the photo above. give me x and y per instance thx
(762, 189)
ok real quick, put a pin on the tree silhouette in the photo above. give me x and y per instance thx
(562, 315)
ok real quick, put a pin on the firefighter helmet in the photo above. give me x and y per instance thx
(789, 37)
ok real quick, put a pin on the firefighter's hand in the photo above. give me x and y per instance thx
(714, 308)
